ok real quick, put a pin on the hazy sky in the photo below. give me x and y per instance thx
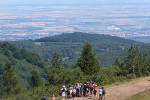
(61, 2)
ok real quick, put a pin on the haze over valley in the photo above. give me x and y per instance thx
(22, 20)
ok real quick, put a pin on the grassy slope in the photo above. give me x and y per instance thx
(145, 95)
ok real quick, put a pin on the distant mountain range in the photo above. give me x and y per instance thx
(69, 46)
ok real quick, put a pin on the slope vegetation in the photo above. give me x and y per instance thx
(23, 61)
(145, 95)
(69, 46)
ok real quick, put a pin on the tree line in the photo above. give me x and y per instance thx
(68, 46)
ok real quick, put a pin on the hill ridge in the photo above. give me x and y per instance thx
(69, 45)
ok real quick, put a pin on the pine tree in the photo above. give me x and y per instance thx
(145, 62)
(88, 61)
(136, 61)
(35, 78)
(9, 80)
(56, 60)
(117, 62)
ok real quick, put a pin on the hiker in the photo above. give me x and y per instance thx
(103, 93)
(53, 97)
(81, 90)
(74, 93)
(87, 89)
(68, 93)
(78, 89)
(95, 91)
(100, 94)
(91, 88)
(84, 90)
(71, 90)
(43, 98)
(60, 93)
(63, 92)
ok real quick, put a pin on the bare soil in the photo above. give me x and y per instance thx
(125, 91)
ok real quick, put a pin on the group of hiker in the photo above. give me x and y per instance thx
(82, 90)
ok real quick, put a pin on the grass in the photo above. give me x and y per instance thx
(145, 95)
(38, 43)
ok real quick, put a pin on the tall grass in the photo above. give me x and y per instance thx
(145, 95)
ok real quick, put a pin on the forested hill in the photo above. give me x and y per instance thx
(82, 37)
(22, 60)
(69, 45)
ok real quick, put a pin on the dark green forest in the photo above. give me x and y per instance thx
(22, 60)
(25, 75)
(69, 45)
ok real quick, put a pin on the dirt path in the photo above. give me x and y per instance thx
(125, 91)
(122, 92)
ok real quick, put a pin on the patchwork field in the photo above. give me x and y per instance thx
(32, 22)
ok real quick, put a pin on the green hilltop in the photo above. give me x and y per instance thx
(69, 45)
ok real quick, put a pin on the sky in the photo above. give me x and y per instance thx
(61, 2)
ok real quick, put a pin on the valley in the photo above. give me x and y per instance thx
(23, 22)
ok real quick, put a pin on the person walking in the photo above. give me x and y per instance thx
(87, 89)
(63, 94)
(74, 93)
(81, 90)
(95, 91)
(84, 90)
(91, 88)
(100, 94)
(43, 98)
(68, 93)
(53, 97)
(78, 89)
(60, 93)
(103, 93)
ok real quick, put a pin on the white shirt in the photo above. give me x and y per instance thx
(100, 91)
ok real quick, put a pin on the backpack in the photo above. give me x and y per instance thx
(60, 92)
(104, 92)
(92, 86)
(95, 89)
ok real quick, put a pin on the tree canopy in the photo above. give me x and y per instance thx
(88, 61)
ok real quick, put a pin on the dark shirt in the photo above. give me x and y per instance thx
(43, 98)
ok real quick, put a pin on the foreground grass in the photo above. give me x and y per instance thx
(145, 95)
